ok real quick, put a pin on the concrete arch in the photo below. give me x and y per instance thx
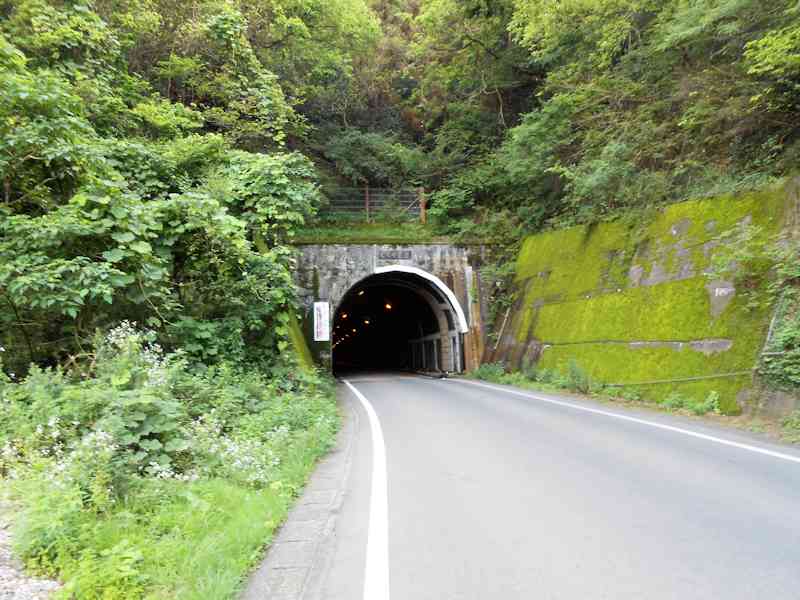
(425, 332)
(463, 326)
(331, 274)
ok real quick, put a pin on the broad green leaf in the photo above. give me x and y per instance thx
(114, 255)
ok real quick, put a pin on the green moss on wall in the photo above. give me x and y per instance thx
(588, 292)
(672, 311)
(299, 345)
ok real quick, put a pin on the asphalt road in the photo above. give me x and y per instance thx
(489, 494)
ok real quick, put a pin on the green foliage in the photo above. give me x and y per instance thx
(742, 256)
(791, 427)
(465, 61)
(710, 404)
(490, 372)
(147, 182)
(113, 574)
(784, 368)
(118, 202)
(114, 470)
(767, 272)
(161, 118)
(677, 401)
(577, 379)
(674, 401)
(637, 104)
(274, 194)
(775, 53)
(339, 231)
(774, 58)
(43, 138)
(630, 394)
(373, 158)
(780, 363)
(592, 31)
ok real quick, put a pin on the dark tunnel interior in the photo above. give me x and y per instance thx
(377, 321)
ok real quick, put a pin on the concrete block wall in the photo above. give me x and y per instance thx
(630, 303)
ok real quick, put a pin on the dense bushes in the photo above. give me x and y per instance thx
(604, 106)
(780, 362)
(144, 177)
(373, 158)
(109, 468)
(118, 203)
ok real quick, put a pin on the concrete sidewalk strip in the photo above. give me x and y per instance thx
(297, 550)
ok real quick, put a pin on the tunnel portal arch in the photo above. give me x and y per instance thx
(437, 283)
(399, 317)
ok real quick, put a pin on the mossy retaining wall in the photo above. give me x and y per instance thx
(299, 345)
(631, 303)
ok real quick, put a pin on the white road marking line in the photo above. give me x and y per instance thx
(702, 436)
(376, 571)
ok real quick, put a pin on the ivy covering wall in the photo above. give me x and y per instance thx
(634, 303)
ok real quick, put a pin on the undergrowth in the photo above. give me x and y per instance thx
(578, 381)
(791, 427)
(151, 478)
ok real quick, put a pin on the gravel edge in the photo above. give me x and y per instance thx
(15, 584)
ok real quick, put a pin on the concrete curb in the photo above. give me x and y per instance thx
(432, 374)
(295, 564)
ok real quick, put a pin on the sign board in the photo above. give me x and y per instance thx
(322, 322)
(395, 255)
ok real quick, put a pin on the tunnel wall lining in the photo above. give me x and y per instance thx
(446, 342)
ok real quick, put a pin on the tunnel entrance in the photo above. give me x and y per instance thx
(400, 318)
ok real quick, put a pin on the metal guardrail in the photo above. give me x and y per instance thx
(375, 204)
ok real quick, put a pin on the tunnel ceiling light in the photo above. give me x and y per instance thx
(344, 315)
(366, 321)
(361, 293)
(387, 306)
(354, 330)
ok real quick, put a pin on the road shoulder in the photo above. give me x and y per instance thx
(711, 425)
(294, 565)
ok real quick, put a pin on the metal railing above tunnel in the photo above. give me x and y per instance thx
(370, 205)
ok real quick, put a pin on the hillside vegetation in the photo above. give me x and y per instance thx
(158, 158)
(155, 424)
(540, 113)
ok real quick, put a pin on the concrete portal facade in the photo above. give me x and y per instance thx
(446, 276)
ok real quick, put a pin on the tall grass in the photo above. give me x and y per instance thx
(152, 479)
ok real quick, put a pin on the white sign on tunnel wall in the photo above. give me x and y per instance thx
(322, 322)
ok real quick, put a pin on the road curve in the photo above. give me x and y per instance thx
(493, 493)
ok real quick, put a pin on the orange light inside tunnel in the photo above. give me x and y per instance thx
(388, 306)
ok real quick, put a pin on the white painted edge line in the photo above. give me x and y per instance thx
(613, 415)
(376, 569)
